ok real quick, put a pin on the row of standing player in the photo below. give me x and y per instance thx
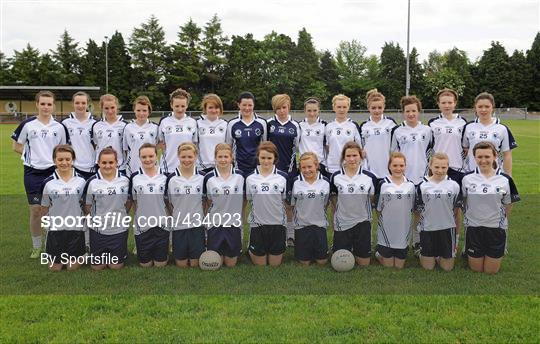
(352, 191)
(379, 135)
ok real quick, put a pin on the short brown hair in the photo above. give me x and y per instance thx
(374, 95)
(148, 145)
(143, 100)
(269, 147)
(351, 145)
(447, 92)
(108, 98)
(180, 94)
(312, 100)
(396, 155)
(44, 93)
(63, 149)
(108, 150)
(486, 145)
(82, 94)
(485, 95)
(408, 100)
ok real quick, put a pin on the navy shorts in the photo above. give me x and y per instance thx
(227, 241)
(33, 182)
(65, 242)
(389, 252)
(115, 245)
(485, 241)
(188, 243)
(152, 244)
(310, 243)
(84, 174)
(441, 243)
(267, 239)
(356, 239)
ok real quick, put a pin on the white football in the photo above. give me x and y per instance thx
(342, 261)
(210, 260)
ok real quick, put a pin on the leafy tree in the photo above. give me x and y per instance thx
(494, 74)
(416, 74)
(521, 80)
(68, 60)
(392, 74)
(533, 58)
(5, 73)
(147, 47)
(214, 46)
(184, 62)
(120, 70)
(458, 61)
(93, 65)
(445, 77)
(329, 76)
(25, 66)
(49, 73)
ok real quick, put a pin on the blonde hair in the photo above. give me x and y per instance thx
(308, 156)
(374, 95)
(341, 97)
(437, 156)
(186, 146)
(143, 100)
(223, 146)
(279, 100)
(212, 98)
(396, 155)
(108, 98)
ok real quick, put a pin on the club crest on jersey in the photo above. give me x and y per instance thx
(215, 190)
(202, 130)
(221, 130)
(33, 134)
(238, 133)
(317, 132)
(123, 189)
(300, 195)
(272, 128)
(348, 132)
(236, 189)
(258, 132)
(276, 187)
(291, 130)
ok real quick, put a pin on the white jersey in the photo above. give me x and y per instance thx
(64, 198)
(266, 195)
(173, 132)
(134, 137)
(210, 134)
(395, 206)
(376, 138)
(108, 200)
(105, 134)
(38, 140)
(337, 135)
(227, 195)
(149, 193)
(496, 133)
(436, 203)
(81, 140)
(353, 198)
(415, 143)
(447, 135)
(485, 198)
(186, 197)
(312, 139)
(310, 201)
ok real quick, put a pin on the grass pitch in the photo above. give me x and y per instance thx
(284, 304)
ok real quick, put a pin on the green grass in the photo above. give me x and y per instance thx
(289, 303)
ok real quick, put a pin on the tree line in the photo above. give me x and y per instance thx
(203, 60)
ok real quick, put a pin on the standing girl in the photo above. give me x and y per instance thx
(395, 206)
(354, 188)
(488, 195)
(376, 134)
(109, 131)
(62, 195)
(224, 190)
(147, 190)
(138, 132)
(437, 202)
(106, 198)
(245, 133)
(212, 131)
(79, 126)
(312, 130)
(185, 199)
(35, 139)
(266, 190)
(487, 128)
(339, 132)
(175, 129)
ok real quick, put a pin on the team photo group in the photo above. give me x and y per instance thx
(186, 186)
